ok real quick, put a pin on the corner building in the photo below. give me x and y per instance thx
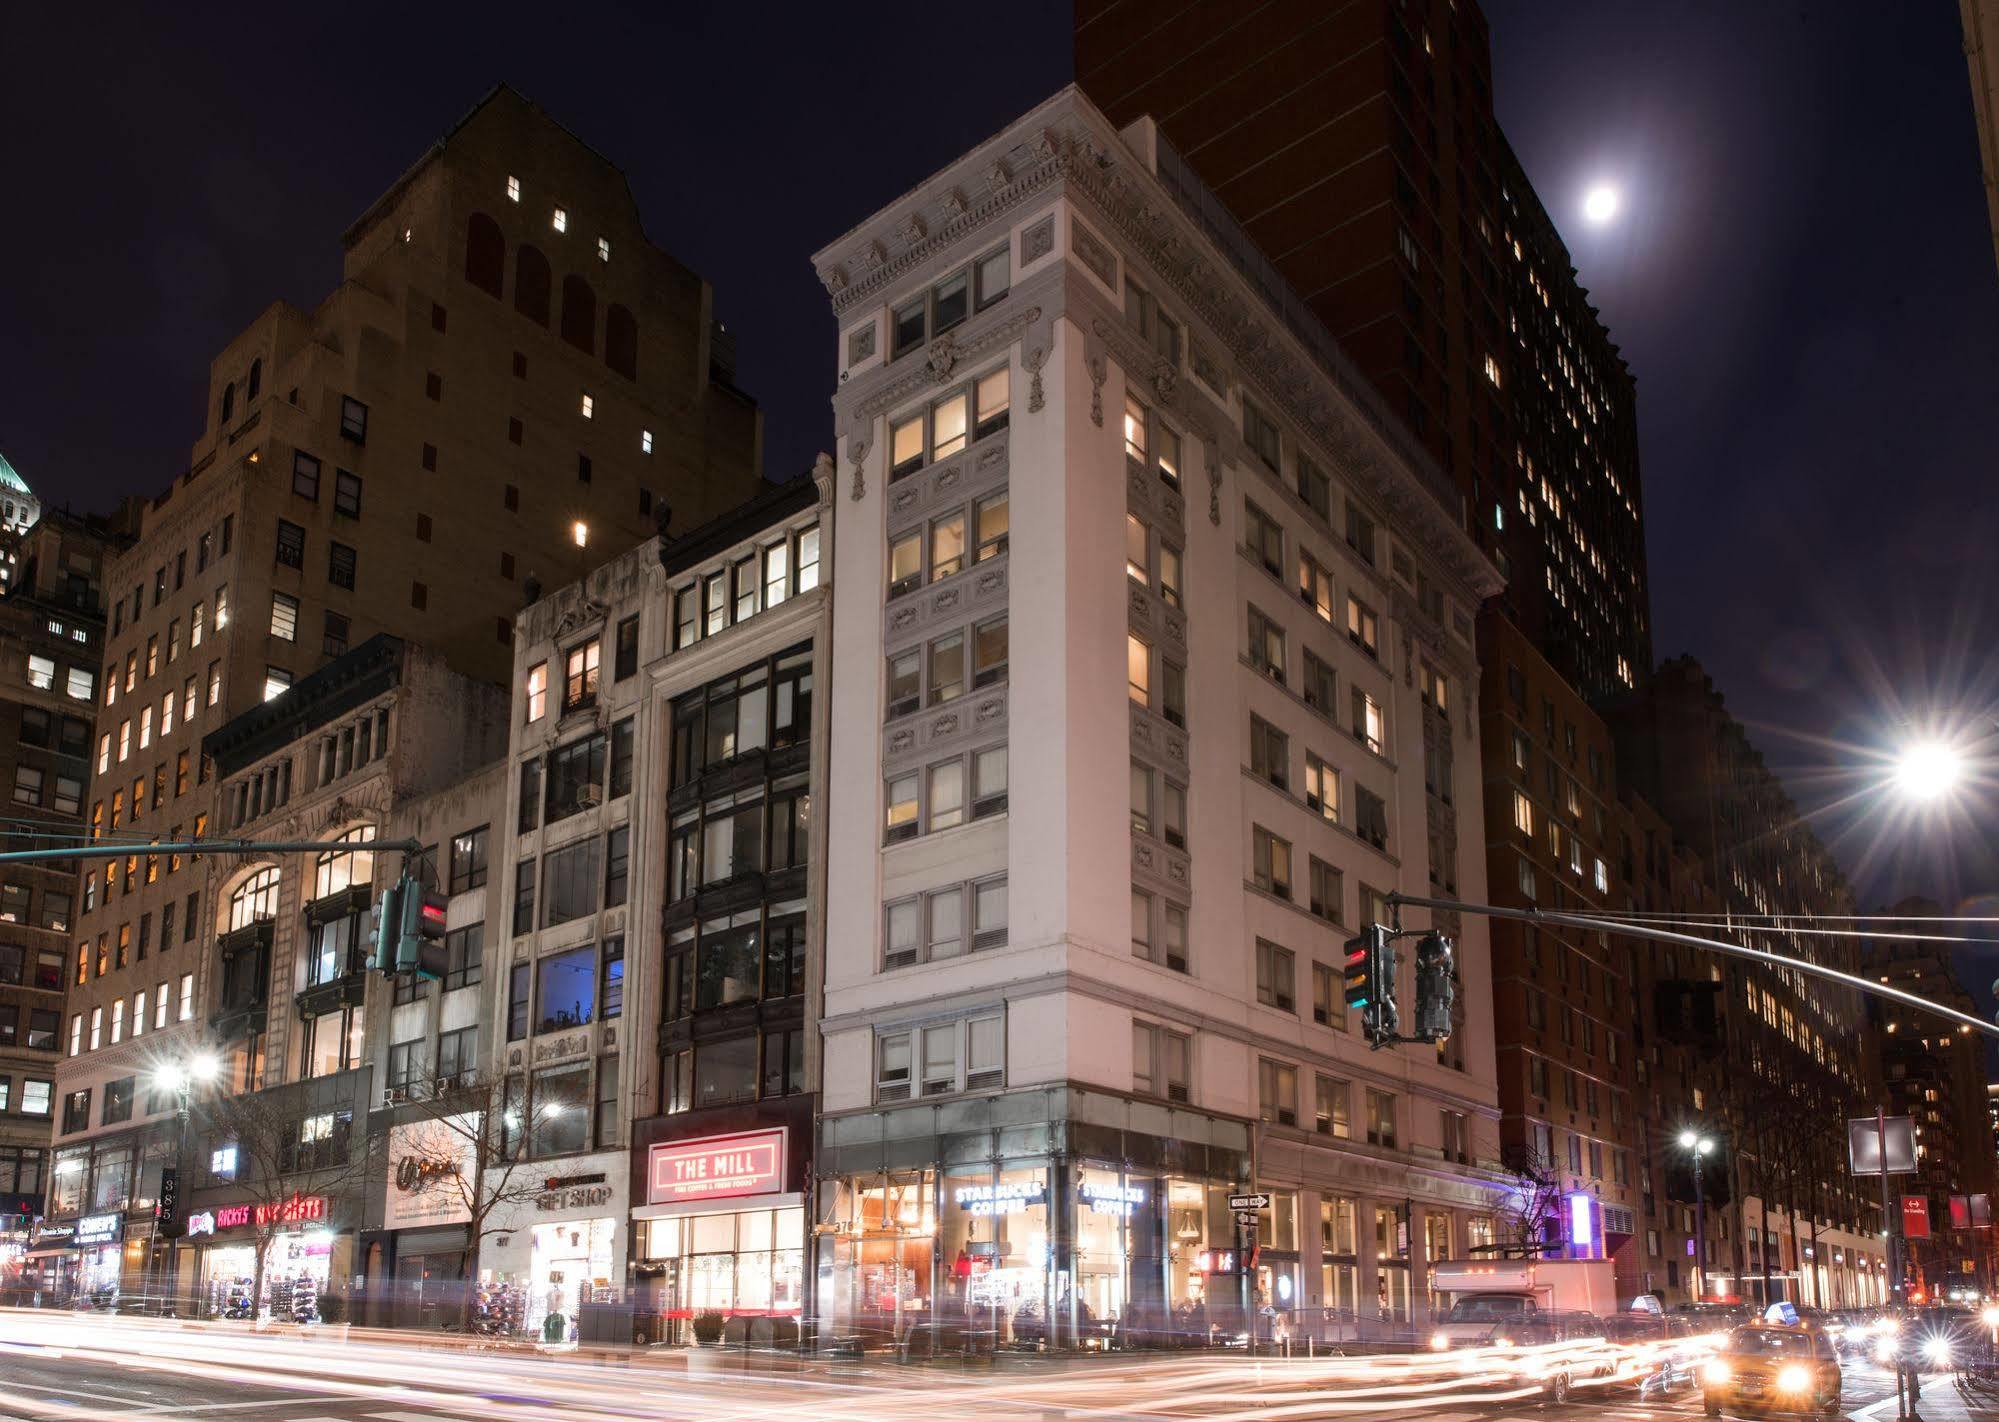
(1165, 683)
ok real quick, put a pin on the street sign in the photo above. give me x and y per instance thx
(1249, 1202)
(1915, 1217)
(1864, 1145)
(1245, 1217)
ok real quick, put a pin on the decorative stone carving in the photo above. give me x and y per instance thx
(1099, 372)
(901, 617)
(997, 175)
(1046, 145)
(953, 202)
(857, 453)
(944, 725)
(989, 457)
(1164, 379)
(860, 343)
(949, 477)
(1212, 457)
(1038, 241)
(904, 499)
(1141, 854)
(1176, 870)
(914, 231)
(824, 474)
(1093, 253)
(946, 600)
(989, 710)
(942, 355)
(901, 740)
(875, 255)
(1033, 361)
(992, 580)
(834, 279)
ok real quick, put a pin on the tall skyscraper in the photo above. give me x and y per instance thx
(1356, 145)
(509, 385)
(1155, 725)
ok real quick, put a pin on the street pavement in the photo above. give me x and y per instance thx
(89, 1368)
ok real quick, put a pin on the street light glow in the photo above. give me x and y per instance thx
(1928, 770)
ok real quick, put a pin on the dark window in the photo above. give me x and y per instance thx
(621, 758)
(530, 794)
(118, 1100)
(291, 544)
(340, 565)
(433, 385)
(485, 259)
(346, 493)
(353, 420)
(570, 880)
(507, 565)
(582, 468)
(617, 866)
(76, 1111)
(611, 986)
(43, 1026)
(419, 596)
(228, 401)
(465, 951)
(517, 1002)
(520, 366)
(512, 497)
(423, 528)
(627, 662)
(566, 989)
(305, 476)
(256, 379)
(468, 860)
(437, 316)
(621, 341)
(532, 284)
(579, 314)
(576, 777)
(524, 897)
(429, 456)
(515, 432)
(560, 1123)
(334, 641)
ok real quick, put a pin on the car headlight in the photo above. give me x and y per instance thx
(1888, 1326)
(1499, 1342)
(1884, 1351)
(1990, 1318)
(1793, 1379)
(1937, 1350)
(1438, 1342)
(1717, 1371)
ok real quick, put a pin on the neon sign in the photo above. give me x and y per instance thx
(716, 1167)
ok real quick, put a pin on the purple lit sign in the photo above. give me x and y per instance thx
(1582, 1231)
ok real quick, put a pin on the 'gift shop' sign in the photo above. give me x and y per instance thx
(716, 1167)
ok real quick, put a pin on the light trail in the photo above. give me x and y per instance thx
(453, 1374)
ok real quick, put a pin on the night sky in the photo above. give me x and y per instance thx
(1801, 278)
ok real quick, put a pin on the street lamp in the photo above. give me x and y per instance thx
(1928, 770)
(181, 1078)
(1698, 1146)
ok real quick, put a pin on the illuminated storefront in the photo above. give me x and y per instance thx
(556, 1268)
(722, 1231)
(306, 1256)
(1061, 1217)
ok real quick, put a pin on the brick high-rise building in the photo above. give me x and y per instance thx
(1356, 144)
(509, 384)
(51, 635)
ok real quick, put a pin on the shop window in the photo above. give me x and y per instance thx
(725, 1072)
(561, 1106)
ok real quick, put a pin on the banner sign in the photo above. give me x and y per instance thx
(430, 1171)
(716, 1167)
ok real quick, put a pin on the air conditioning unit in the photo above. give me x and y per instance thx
(991, 938)
(902, 706)
(395, 1095)
(892, 1091)
(1176, 1091)
(980, 1080)
(590, 795)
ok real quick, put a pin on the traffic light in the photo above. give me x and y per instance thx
(1436, 987)
(420, 944)
(388, 923)
(1383, 1019)
(1361, 953)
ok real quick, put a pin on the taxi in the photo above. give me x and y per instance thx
(1776, 1365)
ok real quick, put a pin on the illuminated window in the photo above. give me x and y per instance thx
(589, 408)
(603, 249)
(560, 220)
(513, 189)
(537, 691)
(645, 441)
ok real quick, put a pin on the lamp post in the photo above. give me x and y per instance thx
(180, 1078)
(1698, 1145)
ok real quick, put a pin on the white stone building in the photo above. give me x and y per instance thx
(1165, 678)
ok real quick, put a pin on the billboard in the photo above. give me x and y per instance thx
(431, 1164)
(1864, 1145)
(1915, 1217)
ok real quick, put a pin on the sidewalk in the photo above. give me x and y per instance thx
(1944, 1399)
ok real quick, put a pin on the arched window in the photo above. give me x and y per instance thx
(485, 254)
(255, 899)
(531, 284)
(337, 869)
(579, 314)
(621, 341)
(256, 378)
(228, 401)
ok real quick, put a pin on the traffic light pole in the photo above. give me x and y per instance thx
(152, 848)
(1626, 929)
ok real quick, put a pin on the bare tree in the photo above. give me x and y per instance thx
(290, 1149)
(1537, 1197)
(463, 1142)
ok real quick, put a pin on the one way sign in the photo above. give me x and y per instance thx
(1249, 1202)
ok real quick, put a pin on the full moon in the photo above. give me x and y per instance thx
(1600, 204)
